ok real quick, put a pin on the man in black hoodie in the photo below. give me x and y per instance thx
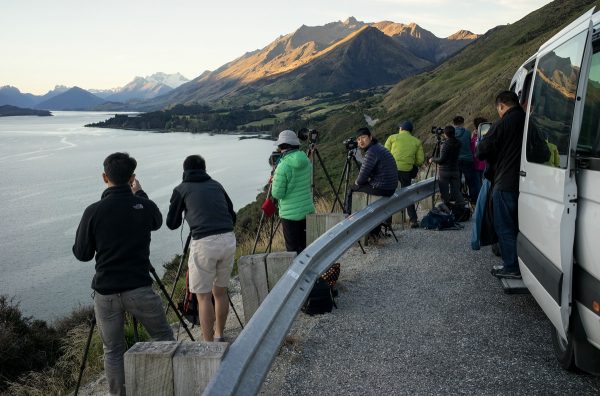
(449, 176)
(502, 149)
(116, 230)
(210, 215)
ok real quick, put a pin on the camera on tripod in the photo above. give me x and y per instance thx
(350, 144)
(274, 158)
(312, 135)
(437, 130)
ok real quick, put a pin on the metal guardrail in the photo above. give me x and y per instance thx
(249, 358)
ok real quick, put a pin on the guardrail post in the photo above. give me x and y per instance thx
(318, 223)
(277, 264)
(148, 368)
(253, 282)
(194, 364)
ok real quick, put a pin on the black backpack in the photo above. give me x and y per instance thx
(439, 220)
(321, 299)
(460, 213)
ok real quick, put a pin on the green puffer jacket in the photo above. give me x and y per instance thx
(291, 186)
(406, 149)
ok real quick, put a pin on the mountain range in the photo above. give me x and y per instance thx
(337, 57)
(65, 98)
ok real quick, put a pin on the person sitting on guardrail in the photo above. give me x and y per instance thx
(292, 189)
(409, 156)
(210, 215)
(378, 174)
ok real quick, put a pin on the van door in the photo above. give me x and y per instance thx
(548, 189)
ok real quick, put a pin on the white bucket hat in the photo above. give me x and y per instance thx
(288, 137)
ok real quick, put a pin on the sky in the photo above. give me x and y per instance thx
(102, 45)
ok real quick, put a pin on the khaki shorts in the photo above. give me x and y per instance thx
(211, 262)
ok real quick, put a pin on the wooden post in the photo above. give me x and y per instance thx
(318, 223)
(253, 282)
(194, 364)
(148, 368)
(359, 201)
(277, 264)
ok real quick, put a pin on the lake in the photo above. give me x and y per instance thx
(51, 171)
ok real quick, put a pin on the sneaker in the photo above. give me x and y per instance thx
(219, 339)
(497, 268)
(503, 273)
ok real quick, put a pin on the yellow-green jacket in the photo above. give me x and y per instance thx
(406, 149)
(291, 186)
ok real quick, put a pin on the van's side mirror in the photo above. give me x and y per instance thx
(483, 129)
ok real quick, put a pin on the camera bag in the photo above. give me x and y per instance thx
(320, 300)
(189, 304)
(438, 220)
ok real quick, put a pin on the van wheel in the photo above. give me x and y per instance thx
(564, 349)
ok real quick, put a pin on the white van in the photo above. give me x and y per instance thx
(559, 201)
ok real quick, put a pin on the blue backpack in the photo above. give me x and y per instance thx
(439, 220)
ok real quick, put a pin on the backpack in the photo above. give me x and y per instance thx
(460, 213)
(320, 299)
(189, 304)
(438, 220)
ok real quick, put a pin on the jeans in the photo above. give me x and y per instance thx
(473, 181)
(294, 233)
(110, 310)
(449, 182)
(506, 224)
(405, 179)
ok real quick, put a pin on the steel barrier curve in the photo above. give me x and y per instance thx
(249, 358)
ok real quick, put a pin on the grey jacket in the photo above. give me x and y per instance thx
(208, 209)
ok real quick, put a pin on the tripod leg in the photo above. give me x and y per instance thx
(273, 232)
(185, 250)
(170, 301)
(136, 334)
(85, 354)
(337, 198)
(260, 226)
(337, 192)
(234, 311)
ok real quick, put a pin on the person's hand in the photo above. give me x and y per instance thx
(136, 186)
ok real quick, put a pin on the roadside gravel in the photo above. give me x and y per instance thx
(423, 316)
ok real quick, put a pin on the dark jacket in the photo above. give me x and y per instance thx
(208, 209)
(463, 135)
(502, 149)
(117, 230)
(378, 168)
(449, 153)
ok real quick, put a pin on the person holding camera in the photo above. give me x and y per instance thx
(378, 174)
(449, 175)
(210, 215)
(409, 156)
(116, 230)
(292, 189)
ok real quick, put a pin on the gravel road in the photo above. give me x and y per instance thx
(423, 316)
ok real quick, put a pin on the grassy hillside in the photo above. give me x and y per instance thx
(467, 83)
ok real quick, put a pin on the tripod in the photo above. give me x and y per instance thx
(261, 223)
(180, 269)
(434, 153)
(93, 324)
(313, 152)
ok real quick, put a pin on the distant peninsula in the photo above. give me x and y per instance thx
(10, 111)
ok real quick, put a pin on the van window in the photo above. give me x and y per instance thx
(553, 103)
(589, 139)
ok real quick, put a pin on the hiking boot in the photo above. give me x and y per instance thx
(503, 273)
(497, 267)
(414, 223)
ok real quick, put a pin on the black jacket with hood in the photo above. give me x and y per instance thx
(208, 209)
(449, 154)
(116, 230)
